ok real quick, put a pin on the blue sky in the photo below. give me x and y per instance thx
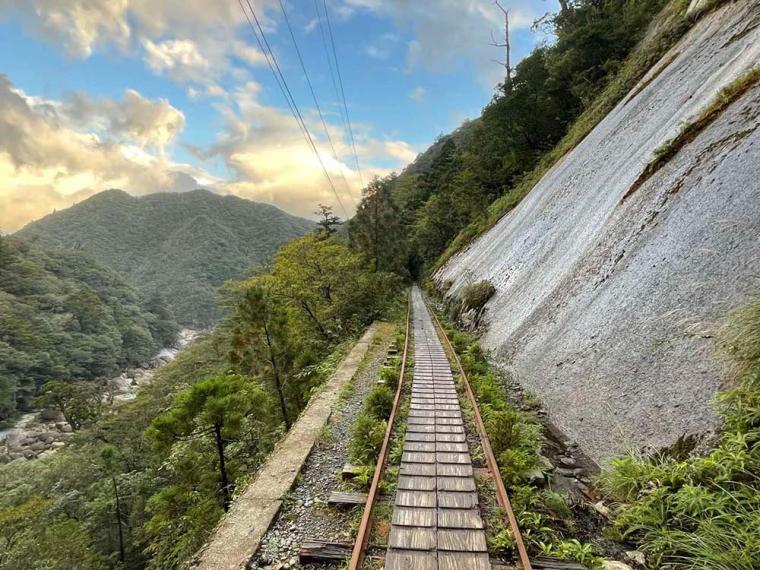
(167, 96)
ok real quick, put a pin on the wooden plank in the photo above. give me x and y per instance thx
(421, 421)
(417, 483)
(449, 437)
(410, 516)
(410, 560)
(451, 500)
(448, 429)
(427, 446)
(426, 469)
(455, 484)
(463, 561)
(321, 551)
(415, 498)
(448, 414)
(454, 470)
(338, 499)
(422, 437)
(459, 518)
(422, 414)
(412, 538)
(449, 421)
(451, 447)
(419, 428)
(419, 457)
(443, 457)
(459, 540)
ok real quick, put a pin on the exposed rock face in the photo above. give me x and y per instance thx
(605, 307)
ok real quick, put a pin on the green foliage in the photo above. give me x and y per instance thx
(65, 318)
(390, 375)
(181, 245)
(475, 296)
(367, 436)
(573, 549)
(701, 512)
(379, 403)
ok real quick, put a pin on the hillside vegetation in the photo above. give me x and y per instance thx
(181, 245)
(65, 317)
(145, 483)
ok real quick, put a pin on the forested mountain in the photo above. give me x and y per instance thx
(65, 317)
(182, 245)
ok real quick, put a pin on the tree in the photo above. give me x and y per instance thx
(260, 341)
(375, 230)
(217, 406)
(328, 222)
(81, 403)
(109, 457)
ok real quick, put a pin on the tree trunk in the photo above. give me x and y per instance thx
(118, 519)
(222, 467)
(277, 382)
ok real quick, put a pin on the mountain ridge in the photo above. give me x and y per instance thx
(182, 245)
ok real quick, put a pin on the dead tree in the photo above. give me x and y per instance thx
(506, 63)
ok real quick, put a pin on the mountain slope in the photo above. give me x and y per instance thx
(181, 245)
(65, 317)
(612, 274)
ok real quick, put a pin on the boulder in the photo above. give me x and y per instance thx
(615, 565)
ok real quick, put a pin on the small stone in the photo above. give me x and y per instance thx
(615, 565)
(565, 472)
(601, 508)
(567, 461)
(66, 428)
(637, 556)
(57, 444)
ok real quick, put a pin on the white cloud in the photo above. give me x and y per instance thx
(54, 153)
(417, 94)
(179, 59)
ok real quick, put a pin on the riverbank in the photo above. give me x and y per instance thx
(43, 432)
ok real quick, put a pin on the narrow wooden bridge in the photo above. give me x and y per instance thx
(436, 522)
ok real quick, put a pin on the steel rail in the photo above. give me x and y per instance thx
(493, 467)
(362, 536)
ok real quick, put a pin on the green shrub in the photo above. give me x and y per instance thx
(391, 377)
(700, 512)
(366, 438)
(379, 403)
(475, 296)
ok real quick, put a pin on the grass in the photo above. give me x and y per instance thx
(691, 131)
(673, 24)
(701, 512)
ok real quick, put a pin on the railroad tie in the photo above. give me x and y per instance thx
(436, 522)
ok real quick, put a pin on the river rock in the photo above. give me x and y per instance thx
(58, 444)
(615, 565)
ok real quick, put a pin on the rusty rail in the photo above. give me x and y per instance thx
(362, 536)
(493, 467)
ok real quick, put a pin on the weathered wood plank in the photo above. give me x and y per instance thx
(419, 457)
(415, 498)
(443, 457)
(412, 538)
(338, 499)
(410, 560)
(451, 447)
(321, 551)
(410, 516)
(427, 446)
(459, 518)
(462, 540)
(421, 436)
(450, 437)
(454, 500)
(455, 484)
(454, 470)
(462, 561)
(426, 469)
(418, 483)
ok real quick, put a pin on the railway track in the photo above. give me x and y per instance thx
(436, 522)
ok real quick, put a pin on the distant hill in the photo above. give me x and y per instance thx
(180, 245)
(65, 317)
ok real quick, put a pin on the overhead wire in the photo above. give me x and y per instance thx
(314, 96)
(286, 92)
(342, 91)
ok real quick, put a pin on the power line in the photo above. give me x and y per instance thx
(342, 91)
(313, 94)
(283, 85)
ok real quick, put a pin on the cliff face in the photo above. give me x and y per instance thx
(605, 305)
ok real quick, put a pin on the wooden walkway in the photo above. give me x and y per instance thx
(436, 522)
